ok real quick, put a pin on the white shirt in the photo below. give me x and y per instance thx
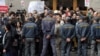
(3, 42)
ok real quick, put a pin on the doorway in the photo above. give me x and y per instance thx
(65, 4)
(72, 4)
(81, 4)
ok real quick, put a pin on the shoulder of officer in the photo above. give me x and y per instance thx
(96, 26)
(48, 18)
(68, 25)
(29, 24)
(83, 24)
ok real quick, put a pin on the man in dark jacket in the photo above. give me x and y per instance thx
(67, 33)
(7, 41)
(29, 32)
(1, 37)
(82, 32)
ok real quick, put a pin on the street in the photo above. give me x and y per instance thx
(89, 53)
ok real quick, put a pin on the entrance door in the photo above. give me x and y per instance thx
(72, 4)
(65, 3)
(49, 3)
(81, 4)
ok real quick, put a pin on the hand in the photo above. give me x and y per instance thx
(37, 40)
(83, 39)
(48, 36)
(15, 40)
(68, 40)
(23, 40)
(4, 50)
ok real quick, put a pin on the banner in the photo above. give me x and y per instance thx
(36, 5)
(87, 3)
(3, 7)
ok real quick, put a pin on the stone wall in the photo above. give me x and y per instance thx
(16, 4)
(95, 4)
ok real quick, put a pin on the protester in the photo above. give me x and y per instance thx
(7, 41)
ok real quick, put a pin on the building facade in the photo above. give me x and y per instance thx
(15, 5)
(54, 4)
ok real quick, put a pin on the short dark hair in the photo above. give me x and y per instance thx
(91, 9)
(8, 26)
(19, 23)
(12, 13)
(58, 14)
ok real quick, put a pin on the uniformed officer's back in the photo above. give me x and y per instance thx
(82, 29)
(95, 33)
(29, 32)
(67, 33)
(96, 30)
(47, 24)
(29, 29)
(68, 30)
(82, 32)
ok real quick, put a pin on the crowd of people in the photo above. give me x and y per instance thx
(52, 33)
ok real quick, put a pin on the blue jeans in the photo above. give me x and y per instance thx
(82, 48)
(65, 48)
(7, 54)
(29, 47)
(45, 45)
(98, 46)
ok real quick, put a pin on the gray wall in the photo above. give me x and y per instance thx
(95, 4)
(17, 4)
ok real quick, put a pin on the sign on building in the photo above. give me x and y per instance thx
(3, 7)
(22, 4)
(87, 3)
(36, 5)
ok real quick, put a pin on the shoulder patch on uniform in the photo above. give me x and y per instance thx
(29, 27)
(97, 27)
(68, 27)
(48, 19)
(84, 25)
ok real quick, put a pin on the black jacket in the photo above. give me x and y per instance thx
(8, 41)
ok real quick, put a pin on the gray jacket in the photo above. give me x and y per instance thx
(29, 30)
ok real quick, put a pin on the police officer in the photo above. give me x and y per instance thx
(95, 30)
(82, 32)
(48, 31)
(93, 42)
(29, 32)
(67, 33)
